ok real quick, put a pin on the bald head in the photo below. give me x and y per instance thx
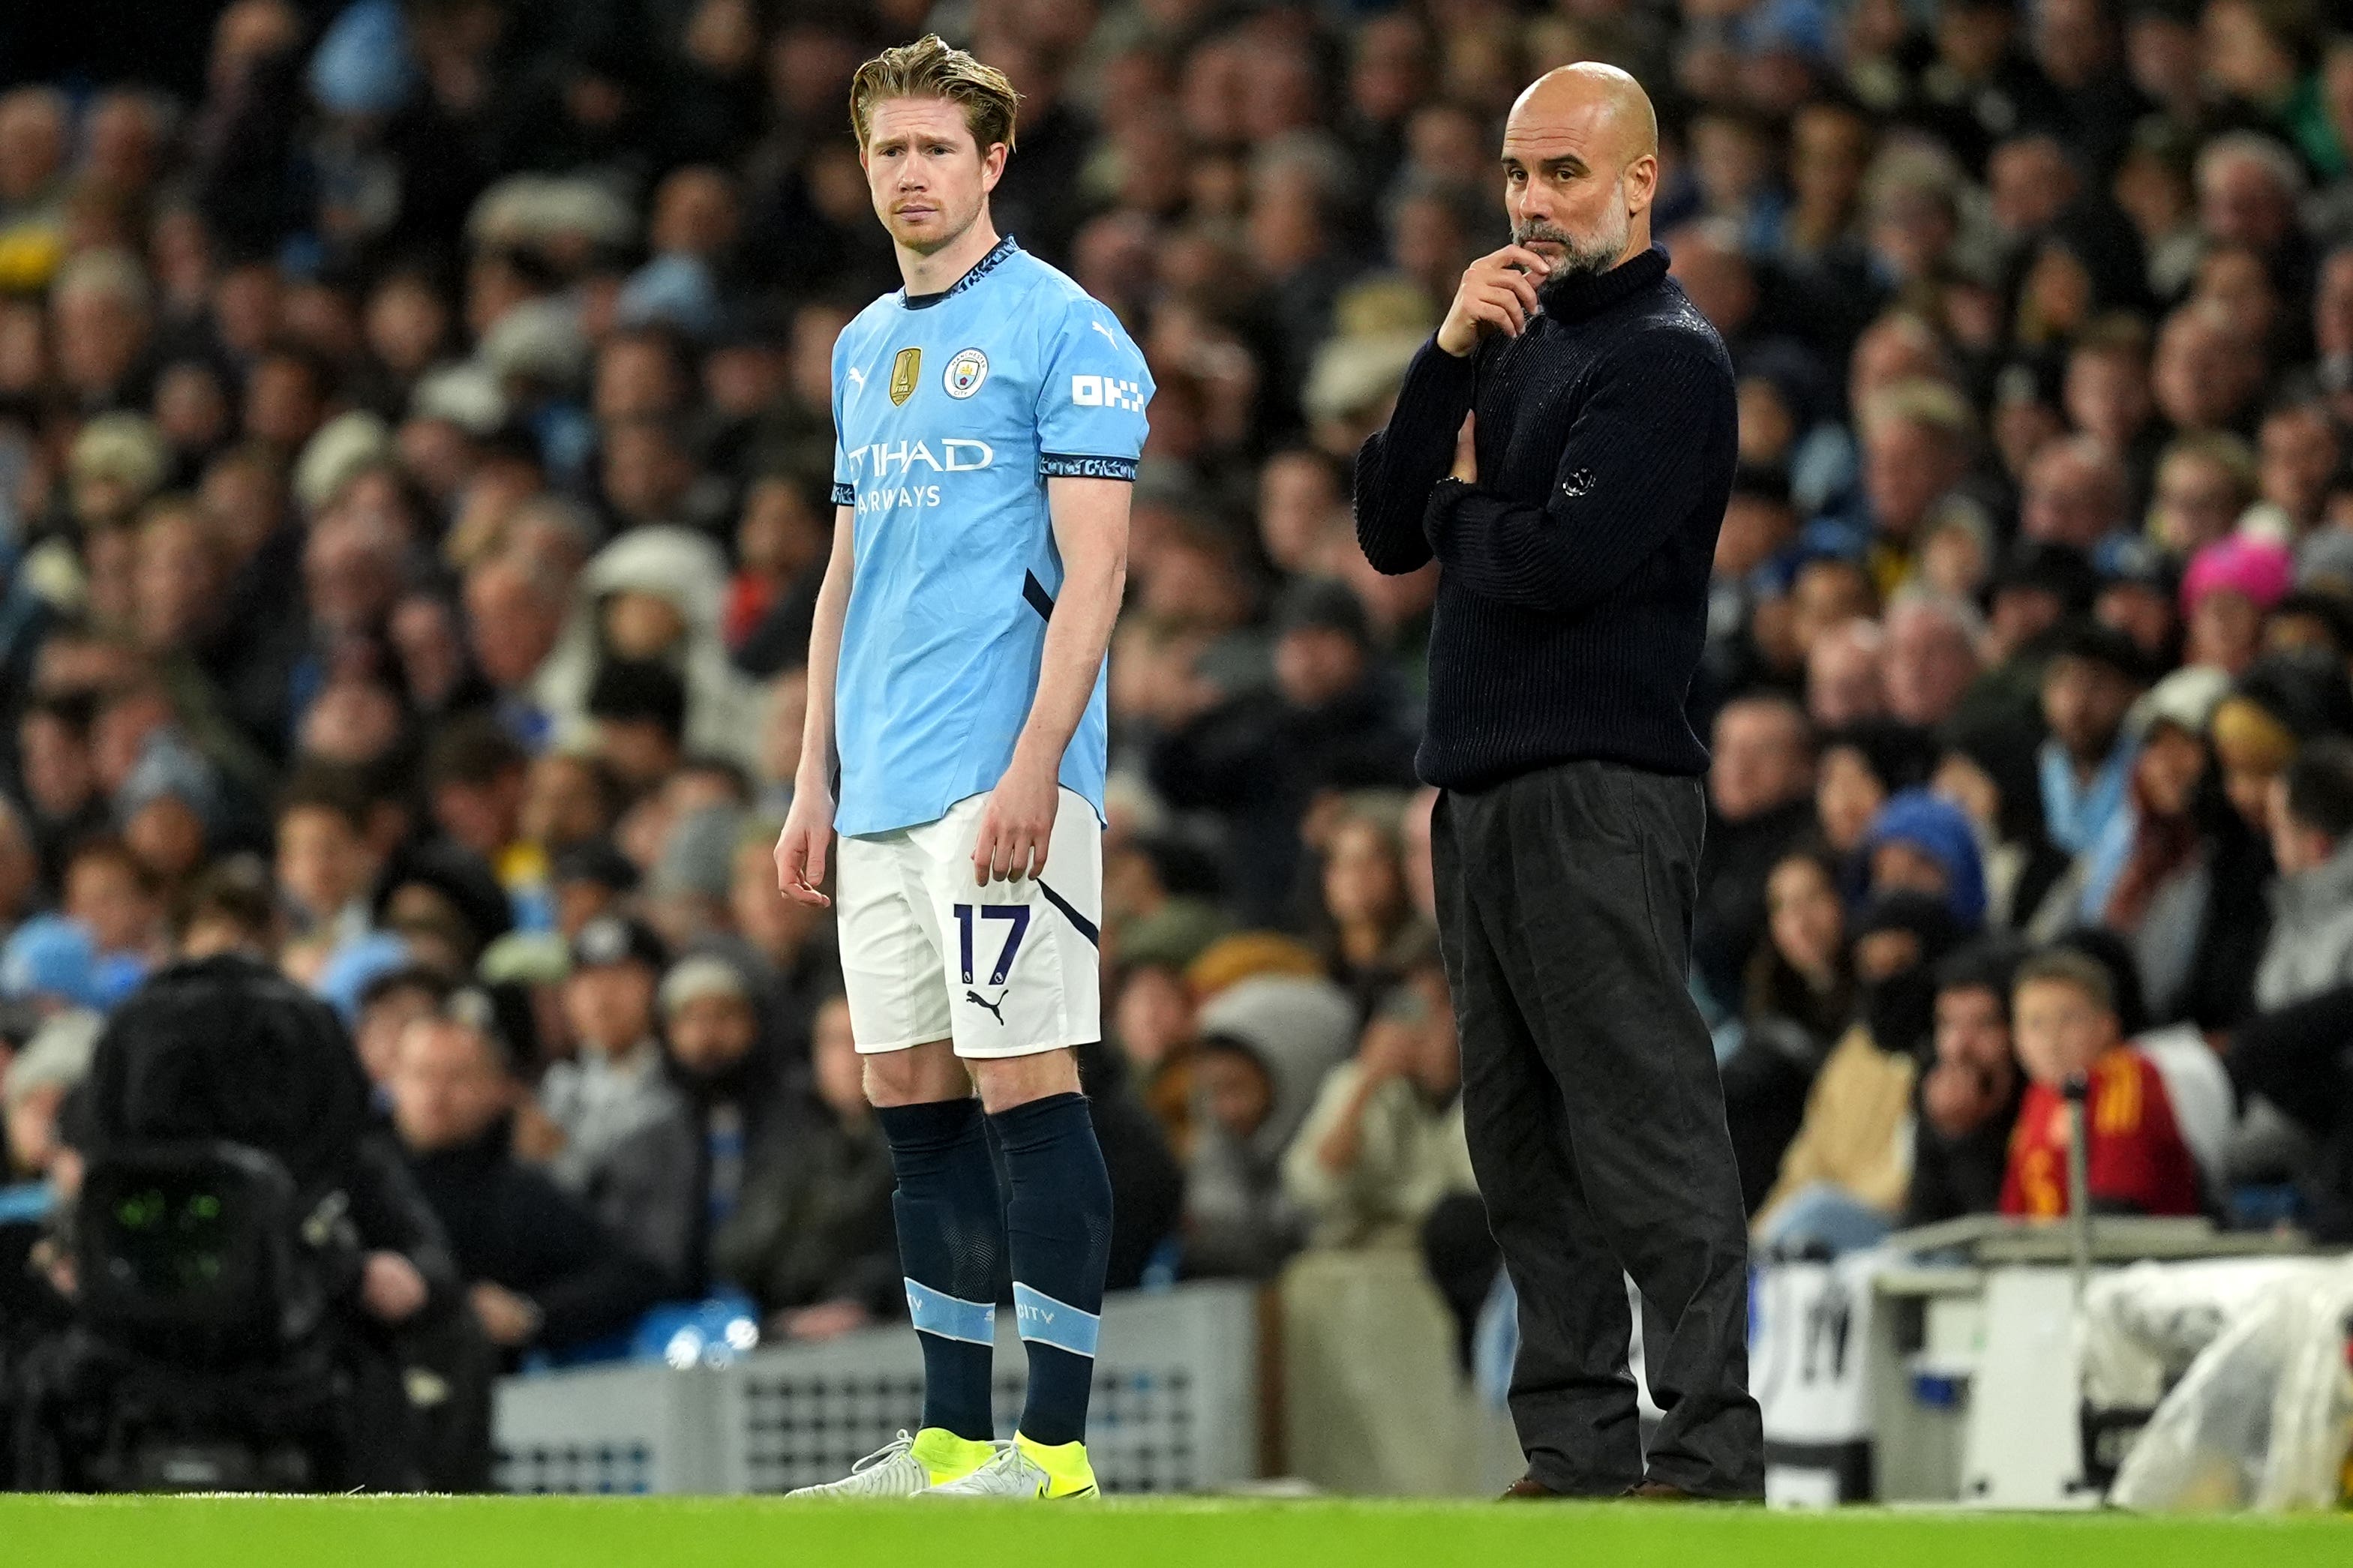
(1580, 167)
(1590, 92)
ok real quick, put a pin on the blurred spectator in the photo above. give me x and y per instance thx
(539, 1271)
(723, 1057)
(1921, 843)
(1760, 796)
(1988, 769)
(388, 1004)
(1863, 767)
(1845, 1177)
(627, 1147)
(1969, 1094)
(2158, 881)
(1383, 1143)
(475, 779)
(2311, 945)
(1799, 1000)
(811, 1234)
(1333, 720)
(2089, 685)
(1265, 1044)
(1932, 657)
(1373, 933)
(34, 1089)
(2068, 1028)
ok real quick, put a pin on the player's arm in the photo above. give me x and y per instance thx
(802, 847)
(1090, 519)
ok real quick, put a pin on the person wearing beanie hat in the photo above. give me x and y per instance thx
(2280, 701)
(119, 461)
(2230, 587)
(723, 1059)
(628, 1146)
(51, 963)
(2149, 882)
(700, 978)
(688, 891)
(1922, 842)
(2140, 596)
(170, 806)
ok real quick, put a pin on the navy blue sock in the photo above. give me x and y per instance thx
(951, 1219)
(1058, 1227)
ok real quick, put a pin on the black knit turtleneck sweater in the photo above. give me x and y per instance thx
(1572, 586)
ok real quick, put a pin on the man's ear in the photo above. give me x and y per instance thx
(1642, 183)
(991, 166)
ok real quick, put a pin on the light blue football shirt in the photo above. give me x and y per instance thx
(953, 409)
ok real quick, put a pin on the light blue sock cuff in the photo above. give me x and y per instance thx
(1047, 1321)
(974, 1323)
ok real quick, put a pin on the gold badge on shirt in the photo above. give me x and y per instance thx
(903, 371)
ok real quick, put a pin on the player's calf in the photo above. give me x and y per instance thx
(1057, 1234)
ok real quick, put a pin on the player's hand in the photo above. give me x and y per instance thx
(390, 1288)
(1466, 450)
(1498, 295)
(802, 846)
(506, 1318)
(1018, 825)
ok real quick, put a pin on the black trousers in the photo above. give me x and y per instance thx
(1596, 1121)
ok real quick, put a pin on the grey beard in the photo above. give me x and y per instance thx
(1583, 257)
(1585, 261)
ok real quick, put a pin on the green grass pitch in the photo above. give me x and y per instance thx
(676, 1532)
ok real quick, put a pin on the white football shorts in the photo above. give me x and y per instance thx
(1005, 970)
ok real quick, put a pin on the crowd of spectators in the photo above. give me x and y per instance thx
(414, 451)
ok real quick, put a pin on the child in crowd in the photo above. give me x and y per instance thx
(2063, 1005)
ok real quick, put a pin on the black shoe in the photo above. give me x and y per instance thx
(1658, 1492)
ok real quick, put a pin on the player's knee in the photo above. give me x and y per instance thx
(1008, 1081)
(916, 1076)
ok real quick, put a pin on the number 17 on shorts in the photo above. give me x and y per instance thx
(1005, 970)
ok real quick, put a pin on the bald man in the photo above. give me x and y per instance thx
(1563, 448)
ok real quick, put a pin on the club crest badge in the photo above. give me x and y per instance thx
(965, 372)
(903, 371)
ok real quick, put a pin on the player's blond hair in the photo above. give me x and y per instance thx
(930, 67)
